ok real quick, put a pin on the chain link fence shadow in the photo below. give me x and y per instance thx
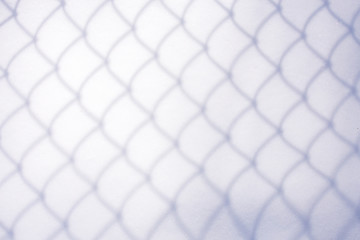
(186, 119)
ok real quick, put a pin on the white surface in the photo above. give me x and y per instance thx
(120, 122)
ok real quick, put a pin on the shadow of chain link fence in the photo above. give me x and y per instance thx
(178, 119)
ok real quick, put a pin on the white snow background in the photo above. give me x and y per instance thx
(178, 119)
